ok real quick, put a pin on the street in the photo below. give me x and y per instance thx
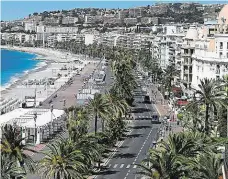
(136, 144)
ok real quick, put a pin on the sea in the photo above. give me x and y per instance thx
(14, 64)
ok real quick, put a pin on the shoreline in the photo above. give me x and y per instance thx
(52, 63)
(44, 53)
(17, 78)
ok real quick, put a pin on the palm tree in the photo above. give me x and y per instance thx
(118, 105)
(99, 107)
(164, 164)
(211, 96)
(90, 148)
(122, 65)
(209, 166)
(12, 146)
(169, 74)
(9, 169)
(62, 161)
(78, 121)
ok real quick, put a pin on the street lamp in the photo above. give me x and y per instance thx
(35, 117)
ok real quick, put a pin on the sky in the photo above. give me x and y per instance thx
(12, 10)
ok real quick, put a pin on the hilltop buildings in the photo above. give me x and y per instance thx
(196, 50)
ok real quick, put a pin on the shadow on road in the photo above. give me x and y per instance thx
(134, 135)
(140, 127)
(126, 155)
(123, 147)
(106, 172)
(140, 110)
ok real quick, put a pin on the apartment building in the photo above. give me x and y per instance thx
(111, 19)
(93, 19)
(210, 59)
(187, 50)
(51, 21)
(69, 20)
(169, 40)
(30, 26)
(130, 21)
(135, 12)
(123, 14)
(50, 29)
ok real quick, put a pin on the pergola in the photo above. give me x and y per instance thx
(35, 125)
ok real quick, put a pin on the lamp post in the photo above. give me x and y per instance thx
(35, 136)
(52, 124)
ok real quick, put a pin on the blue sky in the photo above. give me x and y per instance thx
(11, 10)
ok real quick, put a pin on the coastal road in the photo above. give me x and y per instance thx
(132, 152)
(136, 145)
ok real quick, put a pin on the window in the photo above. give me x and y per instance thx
(227, 45)
(226, 55)
(185, 51)
(221, 45)
(220, 54)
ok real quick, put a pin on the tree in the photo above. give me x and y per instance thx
(62, 161)
(12, 146)
(78, 122)
(10, 169)
(209, 166)
(118, 105)
(163, 164)
(211, 96)
(169, 74)
(180, 155)
(98, 106)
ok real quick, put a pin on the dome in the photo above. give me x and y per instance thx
(223, 15)
(192, 33)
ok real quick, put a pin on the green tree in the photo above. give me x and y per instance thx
(62, 161)
(12, 146)
(10, 169)
(211, 96)
(99, 108)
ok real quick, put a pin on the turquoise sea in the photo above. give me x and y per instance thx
(14, 64)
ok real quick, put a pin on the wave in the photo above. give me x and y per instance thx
(19, 76)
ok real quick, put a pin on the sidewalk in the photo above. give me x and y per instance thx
(162, 106)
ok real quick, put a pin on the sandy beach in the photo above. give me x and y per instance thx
(54, 71)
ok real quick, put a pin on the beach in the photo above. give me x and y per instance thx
(54, 71)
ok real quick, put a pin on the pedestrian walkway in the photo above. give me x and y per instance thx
(162, 106)
(36, 148)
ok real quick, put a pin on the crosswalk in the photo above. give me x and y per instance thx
(120, 166)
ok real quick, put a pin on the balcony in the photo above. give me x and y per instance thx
(186, 71)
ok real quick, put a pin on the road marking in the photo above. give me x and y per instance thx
(115, 165)
(121, 166)
(135, 166)
(128, 166)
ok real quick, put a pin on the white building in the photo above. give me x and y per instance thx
(69, 20)
(169, 41)
(30, 26)
(89, 39)
(187, 50)
(210, 59)
(93, 19)
(50, 29)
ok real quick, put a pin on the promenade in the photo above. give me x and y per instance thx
(66, 95)
(163, 108)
